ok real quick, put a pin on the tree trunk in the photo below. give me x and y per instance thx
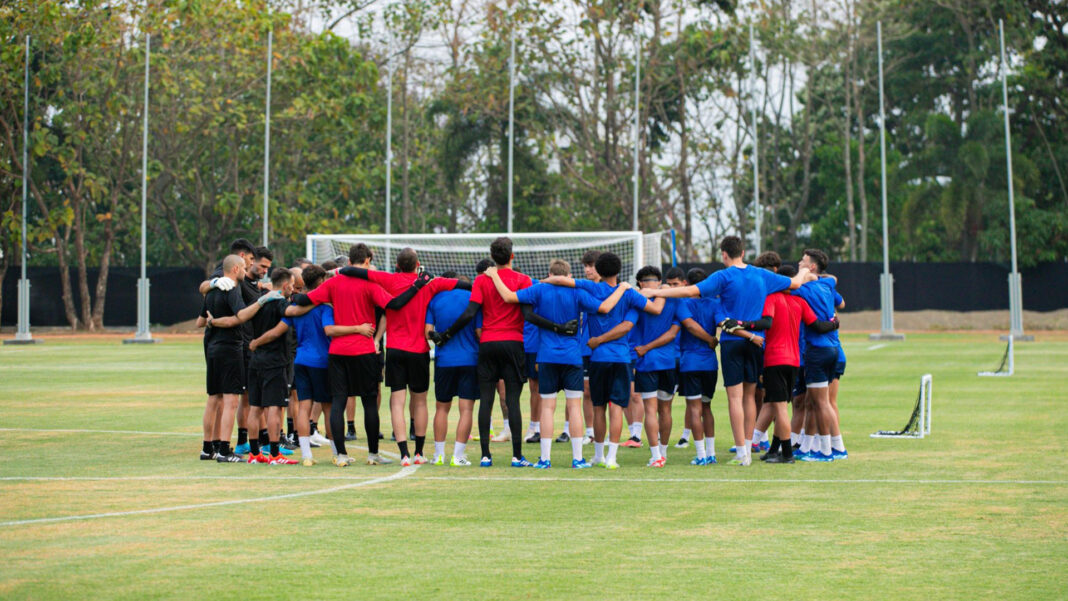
(847, 126)
(64, 279)
(102, 277)
(86, 305)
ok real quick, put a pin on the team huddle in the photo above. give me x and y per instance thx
(307, 341)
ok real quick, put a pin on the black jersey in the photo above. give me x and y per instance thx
(222, 341)
(276, 352)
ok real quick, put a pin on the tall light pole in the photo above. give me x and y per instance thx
(1016, 330)
(22, 332)
(144, 333)
(637, 115)
(511, 117)
(267, 137)
(886, 281)
(756, 143)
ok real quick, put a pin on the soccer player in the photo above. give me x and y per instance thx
(310, 365)
(455, 371)
(699, 369)
(589, 259)
(742, 290)
(558, 355)
(531, 338)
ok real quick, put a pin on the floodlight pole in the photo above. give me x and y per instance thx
(637, 116)
(886, 281)
(22, 332)
(389, 132)
(1016, 330)
(144, 333)
(756, 142)
(511, 119)
(267, 136)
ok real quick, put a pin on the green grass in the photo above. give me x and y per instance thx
(978, 510)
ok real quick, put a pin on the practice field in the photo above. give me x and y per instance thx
(102, 496)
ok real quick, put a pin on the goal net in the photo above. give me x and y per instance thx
(1006, 368)
(919, 424)
(461, 252)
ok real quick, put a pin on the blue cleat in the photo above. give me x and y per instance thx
(820, 457)
(241, 449)
(580, 464)
(521, 462)
(710, 460)
(837, 455)
(732, 449)
(699, 461)
(805, 456)
(486, 462)
(765, 445)
(542, 464)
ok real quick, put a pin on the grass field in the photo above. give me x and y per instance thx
(978, 510)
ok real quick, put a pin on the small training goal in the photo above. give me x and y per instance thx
(919, 424)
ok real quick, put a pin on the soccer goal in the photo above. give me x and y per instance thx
(920, 423)
(461, 252)
(1007, 367)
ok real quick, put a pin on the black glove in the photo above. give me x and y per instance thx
(422, 279)
(730, 325)
(438, 338)
(835, 321)
(567, 329)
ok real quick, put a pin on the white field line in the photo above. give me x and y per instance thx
(404, 472)
(876, 347)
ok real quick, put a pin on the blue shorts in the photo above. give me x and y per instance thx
(698, 384)
(554, 377)
(661, 381)
(819, 365)
(311, 383)
(452, 382)
(740, 361)
(532, 366)
(609, 383)
(839, 370)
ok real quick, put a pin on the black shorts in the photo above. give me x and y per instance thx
(226, 374)
(554, 377)
(267, 387)
(586, 367)
(610, 383)
(779, 383)
(291, 374)
(455, 382)
(661, 381)
(698, 384)
(502, 360)
(353, 375)
(380, 358)
(819, 365)
(740, 361)
(799, 386)
(247, 357)
(311, 383)
(407, 370)
(532, 366)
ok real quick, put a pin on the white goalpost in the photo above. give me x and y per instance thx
(461, 252)
(1007, 366)
(919, 424)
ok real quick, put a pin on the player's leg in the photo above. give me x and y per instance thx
(487, 388)
(466, 378)
(838, 449)
(635, 413)
(505, 434)
(665, 393)
(211, 446)
(512, 365)
(599, 400)
(693, 418)
(443, 395)
(350, 418)
(687, 430)
(547, 406)
(587, 402)
(571, 382)
(342, 385)
(397, 382)
(533, 434)
(417, 368)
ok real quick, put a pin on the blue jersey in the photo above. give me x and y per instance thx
(820, 296)
(313, 345)
(696, 354)
(441, 313)
(584, 334)
(650, 327)
(531, 336)
(742, 291)
(561, 305)
(627, 309)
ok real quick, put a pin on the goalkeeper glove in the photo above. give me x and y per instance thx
(223, 283)
(567, 329)
(273, 295)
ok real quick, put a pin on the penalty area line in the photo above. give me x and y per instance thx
(404, 472)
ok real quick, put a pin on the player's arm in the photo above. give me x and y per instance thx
(560, 280)
(610, 303)
(364, 329)
(660, 340)
(460, 323)
(699, 332)
(811, 320)
(269, 336)
(751, 337)
(568, 329)
(297, 310)
(380, 331)
(655, 306)
(615, 333)
(803, 275)
(677, 292)
(402, 299)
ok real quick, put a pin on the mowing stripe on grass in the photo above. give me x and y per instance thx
(876, 347)
(72, 431)
(404, 472)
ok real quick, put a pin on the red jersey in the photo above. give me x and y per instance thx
(780, 342)
(405, 328)
(500, 320)
(354, 301)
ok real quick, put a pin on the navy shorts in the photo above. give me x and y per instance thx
(554, 377)
(455, 382)
(312, 383)
(839, 370)
(819, 365)
(740, 361)
(661, 380)
(268, 387)
(694, 384)
(609, 383)
(799, 383)
(532, 366)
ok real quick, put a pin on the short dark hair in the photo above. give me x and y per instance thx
(695, 274)
(262, 252)
(483, 265)
(732, 245)
(590, 257)
(769, 260)
(329, 264)
(788, 270)
(501, 250)
(407, 261)
(674, 273)
(302, 262)
(242, 245)
(818, 257)
(647, 271)
(360, 252)
(280, 276)
(608, 265)
(313, 276)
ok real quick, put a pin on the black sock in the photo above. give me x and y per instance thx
(411, 427)
(274, 448)
(242, 436)
(224, 447)
(289, 425)
(787, 450)
(403, 446)
(264, 438)
(254, 446)
(419, 442)
(776, 444)
(313, 428)
(209, 447)
(352, 427)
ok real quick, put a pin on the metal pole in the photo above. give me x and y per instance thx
(511, 122)
(886, 281)
(267, 137)
(637, 117)
(674, 253)
(389, 136)
(144, 333)
(1015, 292)
(756, 142)
(22, 332)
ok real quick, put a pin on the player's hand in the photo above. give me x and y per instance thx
(273, 295)
(757, 340)
(714, 343)
(625, 285)
(567, 329)
(223, 283)
(366, 329)
(252, 345)
(491, 271)
(594, 342)
(438, 338)
(210, 319)
(730, 325)
(641, 349)
(647, 292)
(422, 279)
(837, 324)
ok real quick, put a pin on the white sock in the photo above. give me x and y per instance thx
(567, 426)
(710, 446)
(825, 444)
(535, 427)
(812, 443)
(686, 433)
(506, 428)
(700, 445)
(458, 449)
(663, 451)
(802, 433)
(745, 445)
(589, 432)
(546, 448)
(305, 447)
(439, 448)
(795, 438)
(333, 447)
(598, 451)
(654, 450)
(837, 444)
(613, 448)
(757, 436)
(631, 428)
(576, 448)
(764, 436)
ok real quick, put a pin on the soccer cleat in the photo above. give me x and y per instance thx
(486, 462)
(505, 436)
(350, 436)
(532, 437)
(543, 464)
(765, 456)
(208, 456)
(710, 460)
(460, 461)
(778, 458)
(805, 456)
(564, 437)
(406, 461)
(761, 446)
(418, 459)
(743, 461)
(611, 465)
(821, 458)
(241, 449)
(230, 458)
(838, 455)
(308, 462)
(659, 462)
(288, 444)
(282, 460)
(580, 464)
(319, 439)
(633, 442)
(682, 443)
(521, 462)
(376, 459)
(258, 458)
(342, 460)
(587, 440)
(439, 460)
(699, 461)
